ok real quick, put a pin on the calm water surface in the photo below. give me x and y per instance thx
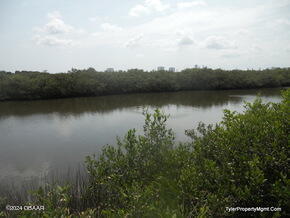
(39, 136)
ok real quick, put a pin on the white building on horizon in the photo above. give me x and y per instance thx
(171, 69)
(160, 68)
(110, 69)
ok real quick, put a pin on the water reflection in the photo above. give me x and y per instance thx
(105, 104)
(38, 136)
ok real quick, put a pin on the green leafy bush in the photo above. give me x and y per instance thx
(240, 162)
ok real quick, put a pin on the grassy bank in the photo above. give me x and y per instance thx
(24, 85)
(240, 162)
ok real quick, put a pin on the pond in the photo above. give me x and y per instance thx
(39, 136)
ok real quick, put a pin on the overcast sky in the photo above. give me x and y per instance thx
(57, 35)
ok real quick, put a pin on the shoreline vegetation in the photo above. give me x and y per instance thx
(33, 85)
(240, 162)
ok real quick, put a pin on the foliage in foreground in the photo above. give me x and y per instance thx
(242, 161)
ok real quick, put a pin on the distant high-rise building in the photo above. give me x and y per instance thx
(171, 69)
(160, 68)
(110, 69)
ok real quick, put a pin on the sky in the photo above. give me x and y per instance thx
(57, 35)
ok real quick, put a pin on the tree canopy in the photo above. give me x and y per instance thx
(23, 85)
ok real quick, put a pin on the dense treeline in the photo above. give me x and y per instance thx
(89, 82)
(240, 162)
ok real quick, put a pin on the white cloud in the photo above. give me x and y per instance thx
(185, 41)
(110, 27)
(138, 10)
(217, 42)
(56, 32)
(177, 36)
(148, 7)
(54, 14)
(185, 5)
(203, 24)
(55, 25)
(161, 31)
(52, 41)
(134, 42)
(156, 5)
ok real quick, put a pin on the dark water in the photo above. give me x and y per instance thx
(39, 136)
